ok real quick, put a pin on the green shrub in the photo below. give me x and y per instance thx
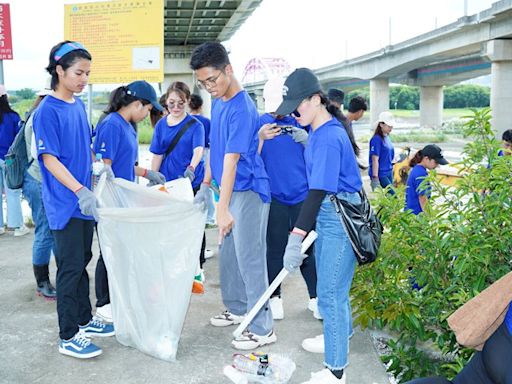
(145, 131)
(456, 248)
(419, 137)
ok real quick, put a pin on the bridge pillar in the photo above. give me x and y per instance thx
(431, 106)
(177, 68)
(379, 98)
(500, 53)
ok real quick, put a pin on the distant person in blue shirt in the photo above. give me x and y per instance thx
(242, 211)
(417, 192)
(116, 141)
(283, 155)
(382, 153)
(9, 128)
(506, 143)
(63, 139)
(196, 110)
(331, 169)
(186, 158)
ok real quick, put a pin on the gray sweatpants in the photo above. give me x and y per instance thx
(243, 262)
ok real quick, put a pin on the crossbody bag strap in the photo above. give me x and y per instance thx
(178, 136)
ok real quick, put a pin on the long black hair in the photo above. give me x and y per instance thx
(120, 98)
(336, 112)
(65, 61)
(5, 107)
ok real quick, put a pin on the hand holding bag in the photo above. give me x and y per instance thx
(362, 225)
(480, 317)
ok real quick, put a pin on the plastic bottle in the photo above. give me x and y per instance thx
(252, 366)
(216, 190)
(97, 167)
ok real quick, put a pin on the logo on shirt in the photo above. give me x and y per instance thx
(285, 90)
(40, 144)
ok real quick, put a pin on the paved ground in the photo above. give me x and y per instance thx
(29, 335)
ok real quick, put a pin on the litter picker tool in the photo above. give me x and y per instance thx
(310, 238)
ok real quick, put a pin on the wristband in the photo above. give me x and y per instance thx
(191, 167)
(299, 233)
(145, 173)
(207, 183)
(78, 190)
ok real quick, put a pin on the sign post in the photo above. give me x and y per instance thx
(5, 38)
(124, 37)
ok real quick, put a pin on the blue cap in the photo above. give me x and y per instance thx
(143, 90)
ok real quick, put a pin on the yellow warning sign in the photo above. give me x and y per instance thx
(124, 37)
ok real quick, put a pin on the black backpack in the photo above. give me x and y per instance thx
(16, 160)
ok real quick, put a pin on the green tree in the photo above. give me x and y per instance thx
(26, 93)
(456, 248)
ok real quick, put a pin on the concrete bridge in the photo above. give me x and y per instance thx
(470, 47)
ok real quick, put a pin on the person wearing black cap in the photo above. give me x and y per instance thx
(116, 141)
(417, 192)
(331, 169)
(336, 97)
(242, 211)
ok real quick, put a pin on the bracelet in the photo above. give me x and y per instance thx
(207, 183)
(79, 189)
(299, 233)
(145, 173)
(191, 167)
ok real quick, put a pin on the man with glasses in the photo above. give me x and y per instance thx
(242, 211)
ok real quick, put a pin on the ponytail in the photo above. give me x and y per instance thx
(418, 157)
(336, 112)
(120, 98)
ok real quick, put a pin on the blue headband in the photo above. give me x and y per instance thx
(66, 48)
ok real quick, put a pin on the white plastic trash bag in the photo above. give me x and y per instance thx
(150, 242)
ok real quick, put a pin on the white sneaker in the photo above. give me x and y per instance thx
(225, 319)
(21, 231)
(325, 377)
(208, 253)
(276, 305)
(314, 344)
(249, 340)
(313, 307)
(2, 230)
(105, 313)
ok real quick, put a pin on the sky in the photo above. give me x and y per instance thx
(305, 33)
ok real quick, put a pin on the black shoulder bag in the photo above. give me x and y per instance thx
(362, 225)
(178, 137)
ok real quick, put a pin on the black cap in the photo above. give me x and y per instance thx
(301, 84)
(336, 95)
(432, 151)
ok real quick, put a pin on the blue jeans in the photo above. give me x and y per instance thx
(387, 179)
(335, 265)
(14, 215)
(43, 239)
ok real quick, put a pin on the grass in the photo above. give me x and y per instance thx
(449, 113)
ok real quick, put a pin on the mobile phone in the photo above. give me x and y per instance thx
(286, 129)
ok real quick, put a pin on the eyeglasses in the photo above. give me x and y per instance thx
(209, 83)
(178, 104)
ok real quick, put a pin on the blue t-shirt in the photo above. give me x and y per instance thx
(508, 318)
(174, 165)
(285, 164)
(116, 140)
(413, 190)
(61, 129)
(9, 127)
(206, 125)
(234, 129)
(383, 148)
(331, 164)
